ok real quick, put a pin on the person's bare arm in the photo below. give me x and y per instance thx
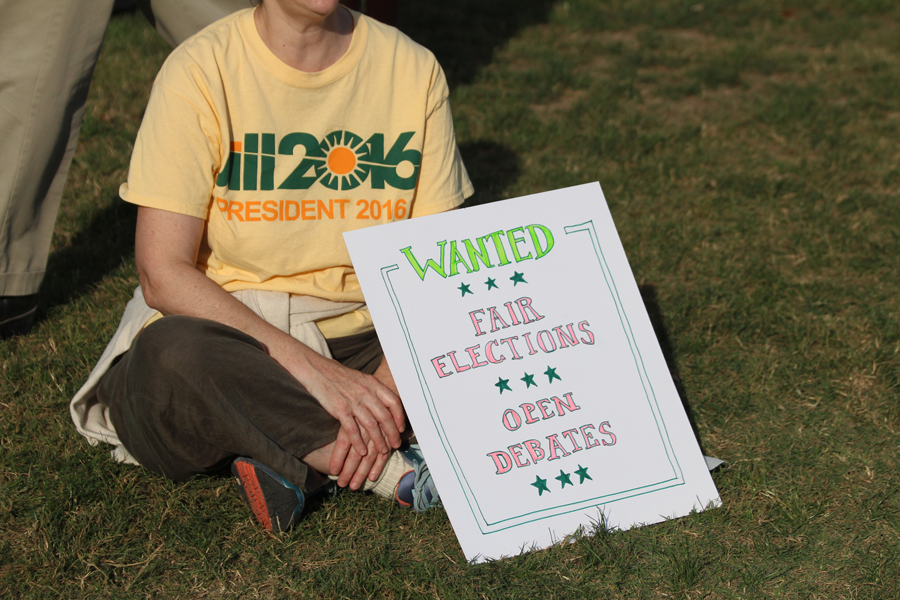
(166, 247)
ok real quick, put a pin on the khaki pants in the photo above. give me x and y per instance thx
(48, 50)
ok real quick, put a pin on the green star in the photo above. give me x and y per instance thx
(518, 278)
(465, 290)
(582, 472)
(551, 373)
(564, 478)
(529, 381)
(491, 284)
(503, 384)
(541, 485)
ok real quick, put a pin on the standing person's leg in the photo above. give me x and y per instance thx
(49, 48)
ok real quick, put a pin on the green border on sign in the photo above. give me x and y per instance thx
(484, 525)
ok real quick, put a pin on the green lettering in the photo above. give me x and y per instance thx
(250, 165)
(476, 255)
(429, 264)
(498, 244)
(225, 175)
(298, 138)
(548, 238)
(456, 259)
(514, 244)
(251, 143)
(383, 168)
(268, 143)
(234, 175)
(373, 150)
(267, 173)
(298, 179)
(397, 155)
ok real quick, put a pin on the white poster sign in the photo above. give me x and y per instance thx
(530, 371)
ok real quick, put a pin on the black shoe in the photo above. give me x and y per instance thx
(17, 315)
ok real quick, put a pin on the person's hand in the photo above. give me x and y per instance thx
(355, 468)
(351, 467)
(361, 403)
(384, 375)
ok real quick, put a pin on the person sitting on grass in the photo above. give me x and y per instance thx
(268, 135)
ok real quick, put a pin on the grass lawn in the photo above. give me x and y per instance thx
(749, 152)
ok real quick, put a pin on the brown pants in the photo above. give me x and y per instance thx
(192, 394)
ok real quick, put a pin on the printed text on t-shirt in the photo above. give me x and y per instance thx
(311, 210)
(340, 161)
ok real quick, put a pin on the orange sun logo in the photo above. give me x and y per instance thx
(343, 169)
(341, 160)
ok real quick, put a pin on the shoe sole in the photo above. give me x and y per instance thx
(253, 491)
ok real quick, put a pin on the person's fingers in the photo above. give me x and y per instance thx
(342, 447)
(378, 466)
(351, 466)
(379, 425)
(393, 404)
(352, 430)
(362, 470)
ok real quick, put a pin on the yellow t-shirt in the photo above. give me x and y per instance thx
(280, 162)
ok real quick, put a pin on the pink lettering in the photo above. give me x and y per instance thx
(554, 445)
(511, 419)
(531, 349)
(459, 368)
(528, 409)
(525, 304)
(583, 327)
(563, 338)
(501, 461)
(476, 322)
(589, 440)
(489, 354)
(534, 449)
(495, 319)
(602, 429)
(474, 354)
(516, 451)
(569, 404)
(440, 366)
(540, 404)
(570, 433)
(512, 313)
(550, 339)
(509, 342)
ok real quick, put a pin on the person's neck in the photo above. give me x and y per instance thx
(304, 41)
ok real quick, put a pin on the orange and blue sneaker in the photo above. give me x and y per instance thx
(276, 503)
(416, 489)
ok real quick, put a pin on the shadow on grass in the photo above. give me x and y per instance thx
(90, 255)
(463, 34)
(651, 303)
(492, 169)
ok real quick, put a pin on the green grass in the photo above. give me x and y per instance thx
(749, 153)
